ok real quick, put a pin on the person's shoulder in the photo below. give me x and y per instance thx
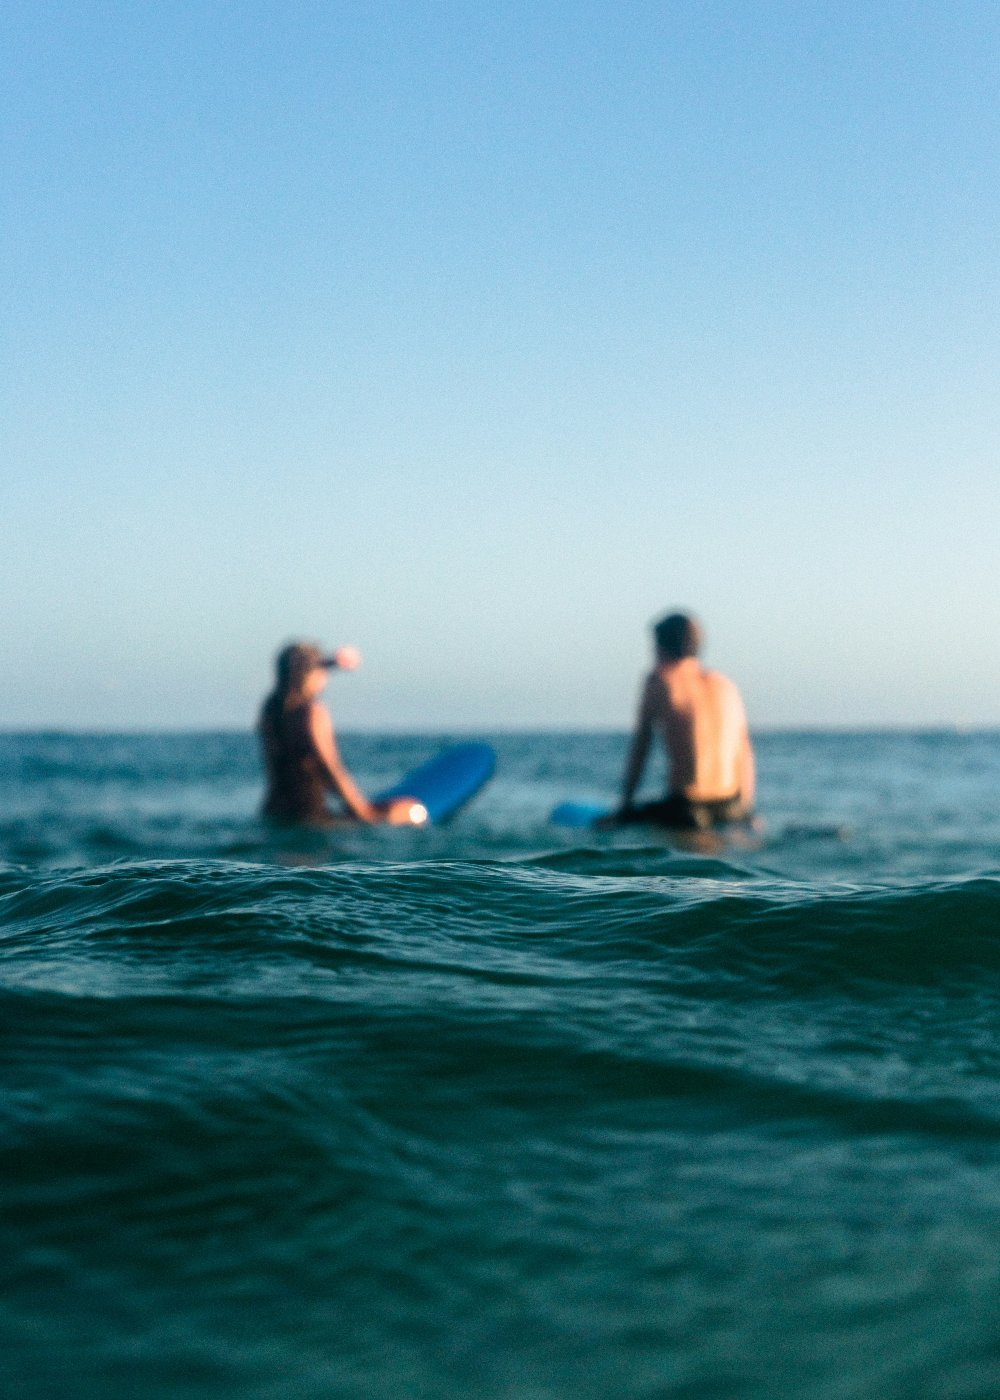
(717, 681)
(726, 688)
(718, 678)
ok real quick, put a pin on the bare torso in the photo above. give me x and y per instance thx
(699, 716)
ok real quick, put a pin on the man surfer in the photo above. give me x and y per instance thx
(698, 714)
(300, 752)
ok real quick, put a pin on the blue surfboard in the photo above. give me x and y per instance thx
(447, 782)
(578, 814)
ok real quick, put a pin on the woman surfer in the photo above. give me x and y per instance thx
(301, 759)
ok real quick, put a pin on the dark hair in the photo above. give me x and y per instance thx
(294, 662)
(677, 636)
(292, 665)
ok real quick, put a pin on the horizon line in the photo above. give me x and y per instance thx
(836, 727)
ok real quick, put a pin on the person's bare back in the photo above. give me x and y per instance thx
(699, 716)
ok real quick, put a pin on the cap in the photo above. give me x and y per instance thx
(310, 653)
(298, 658)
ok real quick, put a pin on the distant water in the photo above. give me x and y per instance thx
(497, 1110)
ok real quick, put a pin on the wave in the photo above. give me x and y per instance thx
(627, 914)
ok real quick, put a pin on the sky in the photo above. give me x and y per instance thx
(481, 336)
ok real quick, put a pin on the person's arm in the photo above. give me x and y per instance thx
(639, 747)
(746, 780)
(321, 733)
(746, 771)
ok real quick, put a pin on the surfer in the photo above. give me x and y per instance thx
(301, 759)
(699, 717)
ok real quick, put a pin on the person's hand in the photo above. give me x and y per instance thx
(403, 811)
(347, 658)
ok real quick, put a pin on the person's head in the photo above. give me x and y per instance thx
(677, 636)
(301, 671)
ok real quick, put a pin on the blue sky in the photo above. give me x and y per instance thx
(480, 338)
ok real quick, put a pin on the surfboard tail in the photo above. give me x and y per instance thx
(578, 814)
(446, 782)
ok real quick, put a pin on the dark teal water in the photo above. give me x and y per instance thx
(494, 1110)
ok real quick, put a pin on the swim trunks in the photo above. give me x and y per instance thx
(685, 813)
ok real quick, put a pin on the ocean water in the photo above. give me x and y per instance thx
(497, 1110)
